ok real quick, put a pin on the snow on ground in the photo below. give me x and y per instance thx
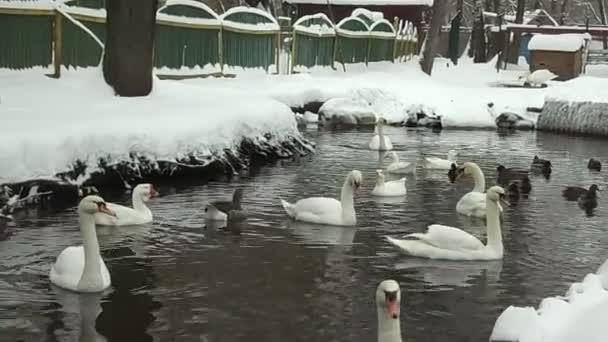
(578, 316)
(459, 94)
(47, 124)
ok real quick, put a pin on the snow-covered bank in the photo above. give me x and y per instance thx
(580, 315)
(458, 94)
(50, 124)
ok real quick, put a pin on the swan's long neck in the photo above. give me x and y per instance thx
(493, 225)
(347, 200)
(389, 329)
(138, 203)
(381, 136)
(380, 181)
(479, 179)
(92, 266)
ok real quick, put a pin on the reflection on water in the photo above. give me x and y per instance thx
(272, 279)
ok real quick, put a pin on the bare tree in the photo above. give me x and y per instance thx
(128, 54)
(519, 18)
(431, 44)
(602, 6)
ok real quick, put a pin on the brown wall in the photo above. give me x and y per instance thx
(566, 65)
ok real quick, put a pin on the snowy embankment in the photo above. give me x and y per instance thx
(75, 128)
(578, 316)
(579, 106)
(458, 95)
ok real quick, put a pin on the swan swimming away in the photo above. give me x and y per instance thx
(139, 214)
(440, 163)
(472, 203)
(328, 211)
(390, 188)
(380, 142)
(81, 268)
(218, 210)
(399, 167)
(450, 243)
(388, 302)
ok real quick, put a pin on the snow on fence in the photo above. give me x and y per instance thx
(191, 35)
(313, 41)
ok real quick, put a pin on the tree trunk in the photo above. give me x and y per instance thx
(519, 18)
(477, 50)
(129, 50)
(497, 6)
(603, 18)
(562, 16)
(431, 44)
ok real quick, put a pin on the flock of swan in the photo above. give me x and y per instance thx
(82, 269)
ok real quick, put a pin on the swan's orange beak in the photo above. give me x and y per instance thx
(392, 307)
(153, 192)
(101, 207)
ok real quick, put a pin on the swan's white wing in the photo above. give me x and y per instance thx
(474, 204)
(437, 163)
(422, 249)
(450, 238)
(319, 205)
(124, 216)
(67, 270)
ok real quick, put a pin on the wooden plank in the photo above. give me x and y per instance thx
(24, 11)
(58, 45)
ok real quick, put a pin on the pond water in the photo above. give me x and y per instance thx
(173, 280)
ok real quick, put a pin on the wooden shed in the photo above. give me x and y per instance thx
(562, 54)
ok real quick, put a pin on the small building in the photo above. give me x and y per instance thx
(562, 54)
(409, 10)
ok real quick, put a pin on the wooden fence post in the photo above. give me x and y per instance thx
(58, 44)
(294, 50)
(220, 45)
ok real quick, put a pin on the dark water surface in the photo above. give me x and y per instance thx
(285, 281)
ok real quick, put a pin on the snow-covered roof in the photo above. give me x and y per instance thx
(568, 42)
(365, 2)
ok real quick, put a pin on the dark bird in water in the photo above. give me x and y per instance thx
(452, 173)
(573, 193)
(235, 222)
(513, 193)
(594, 165)
(508, 175)
(542, 166)
(525, 185)
(588, 201)
(219, 210)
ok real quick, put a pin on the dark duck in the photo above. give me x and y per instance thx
(541, 166)
(594, 165)
(219, 210)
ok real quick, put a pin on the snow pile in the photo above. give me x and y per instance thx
(579, 316)
(325, 28)
(373, 16)
(568, 42)
(48, 124)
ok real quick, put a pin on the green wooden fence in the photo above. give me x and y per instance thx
(190, 34)
(186, 35)
(249, 38)
(26, 40)
(313, 41)
(352, 40)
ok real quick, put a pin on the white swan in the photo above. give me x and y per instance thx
(81, 268)
(388, 301)
(390, 188)
(329, 211)
(380, 142)
(473, 203)
(449, 243)
(399, 167)
(440, 163)
(538, 77)
(125, 216)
